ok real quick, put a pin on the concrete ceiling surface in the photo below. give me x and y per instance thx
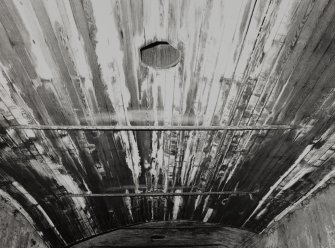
(251, 63)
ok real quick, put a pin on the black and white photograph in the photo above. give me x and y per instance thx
(167, 123)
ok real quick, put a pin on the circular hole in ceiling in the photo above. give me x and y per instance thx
(160, 55)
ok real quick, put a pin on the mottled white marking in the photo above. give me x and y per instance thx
(22, 115)
(110, 56)
(61, 15)
(127, 202)
(177, 202)
(208, 214)
(38, 50)
(132, 155)
(187, 160)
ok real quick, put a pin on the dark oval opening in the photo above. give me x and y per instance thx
(157, 237)
(160, 54)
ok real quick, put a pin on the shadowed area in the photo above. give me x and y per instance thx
(170, 234)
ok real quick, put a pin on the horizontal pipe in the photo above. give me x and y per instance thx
(198, 226)
(156, 194)
(149, 128)
(145, 187)
(160, 245)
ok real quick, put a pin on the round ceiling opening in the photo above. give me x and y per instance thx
(157, 237)
(160, 55)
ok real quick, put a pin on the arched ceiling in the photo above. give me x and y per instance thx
(251, 63)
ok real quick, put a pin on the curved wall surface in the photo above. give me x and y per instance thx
(234, 120)
(311, 225)
(15, 230)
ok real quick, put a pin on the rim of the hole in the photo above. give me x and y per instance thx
(154, 44)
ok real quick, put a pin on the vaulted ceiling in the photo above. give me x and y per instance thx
(263, 69)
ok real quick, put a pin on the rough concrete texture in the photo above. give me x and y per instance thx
(15, 230)
(310, 226)
(164, 234)
(254, 63)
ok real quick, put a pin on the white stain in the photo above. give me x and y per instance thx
(38, 50)
(127, 201)
(132, 155)
(208, 214)
(110, 56)
(178, 201)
